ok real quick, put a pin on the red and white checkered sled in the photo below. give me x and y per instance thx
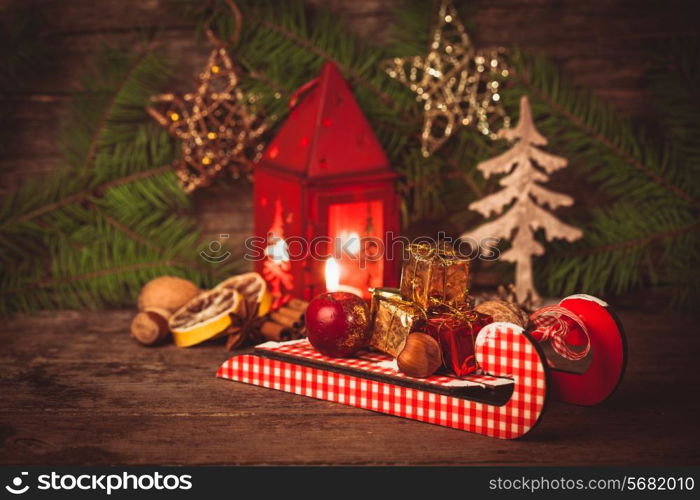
(505, 400)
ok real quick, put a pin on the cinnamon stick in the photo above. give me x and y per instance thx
(297, 304)
(274, 331)
(288, 317)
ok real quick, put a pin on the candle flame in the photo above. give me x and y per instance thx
(332, 275)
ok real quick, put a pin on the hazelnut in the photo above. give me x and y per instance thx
(420, 357)
(150, 327)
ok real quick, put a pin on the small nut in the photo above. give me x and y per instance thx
(420, 357)
(150, 327)
(167, 292)
(500, 310)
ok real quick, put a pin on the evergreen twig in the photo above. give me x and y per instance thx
(114, 216)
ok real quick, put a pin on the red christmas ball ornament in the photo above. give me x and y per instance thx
(338, 324)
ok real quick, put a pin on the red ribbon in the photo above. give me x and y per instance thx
(553, 324)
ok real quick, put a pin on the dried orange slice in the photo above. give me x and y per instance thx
(204, 317)
(256, 297)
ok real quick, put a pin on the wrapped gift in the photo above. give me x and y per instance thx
(383, 292)
(456, 332)
(435, 274)
(392, 320)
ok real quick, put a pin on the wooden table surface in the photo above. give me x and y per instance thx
(77, 390)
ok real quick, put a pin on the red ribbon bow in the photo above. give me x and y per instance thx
(553, 324)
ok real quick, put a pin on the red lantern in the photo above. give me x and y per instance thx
(325, 202)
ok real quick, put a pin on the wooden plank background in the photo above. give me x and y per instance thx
(601, 44)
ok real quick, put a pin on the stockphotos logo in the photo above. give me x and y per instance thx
(17, 486)
(107, 483)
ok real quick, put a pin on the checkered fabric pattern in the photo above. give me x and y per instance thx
(501, 350)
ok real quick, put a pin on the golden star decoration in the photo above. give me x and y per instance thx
(457, 85)
(219, 132)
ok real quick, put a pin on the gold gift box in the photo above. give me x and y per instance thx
(435, 274)
(392, 320)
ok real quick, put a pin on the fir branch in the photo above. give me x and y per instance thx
(107, 110)
(410, 35)
(54, 282)
(51, 282)
(545, 93)
(624, 248)
(313, 33)
(127, 231)
(465, 176)
(633, 242)
(354, 75)
(94, 232)
(86, 193)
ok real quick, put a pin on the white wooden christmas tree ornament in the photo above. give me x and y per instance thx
(526, 167)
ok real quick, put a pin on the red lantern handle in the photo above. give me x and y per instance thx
(294, 100)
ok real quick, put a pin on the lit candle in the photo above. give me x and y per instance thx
(333, 279)
(332, 275)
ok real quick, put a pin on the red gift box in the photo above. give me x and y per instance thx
(456, 332)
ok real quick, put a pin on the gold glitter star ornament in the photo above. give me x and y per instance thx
(217, 124)
(457, 85)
